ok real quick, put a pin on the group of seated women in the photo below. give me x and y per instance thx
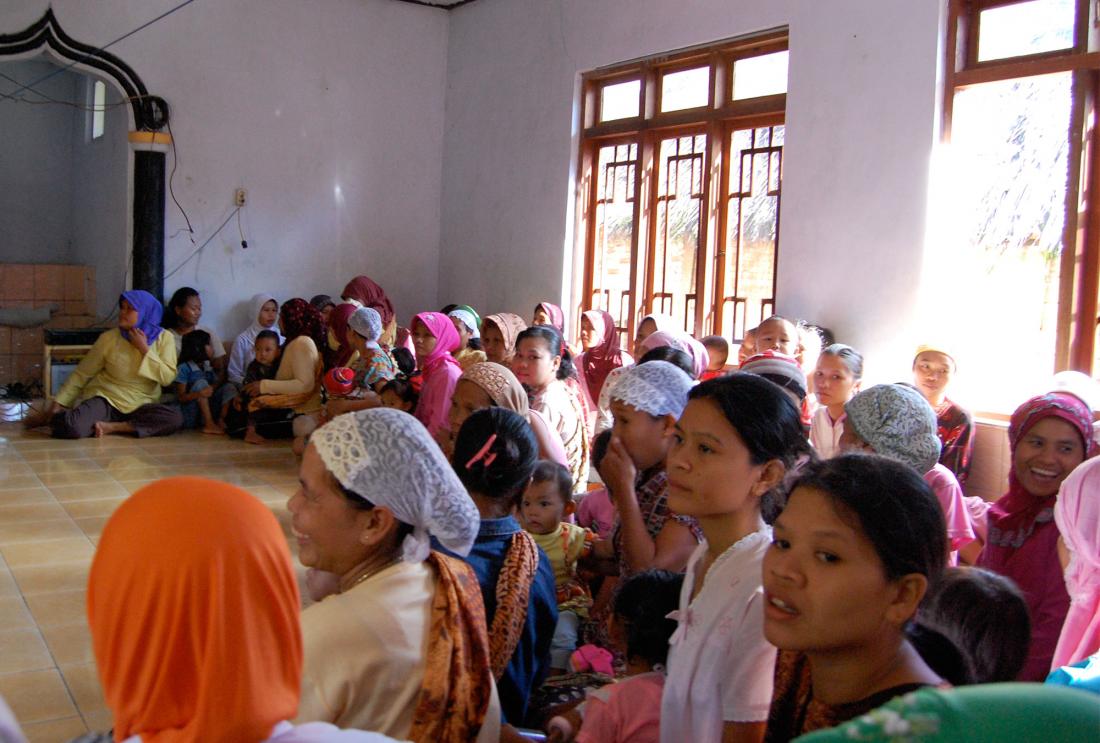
(775, 552)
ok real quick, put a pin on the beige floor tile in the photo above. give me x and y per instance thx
(98, 720)
(84, 686)
(62, 576)
(137, 472)
(14, 614)
(58, 607)
(84, 479)
(92, 526)
(20, 482)
(13, 514)
(132, 486)
(15, 468)
(96, 491)
(82, 509)
(63, 466)
(7, 584)
(37, 531)
(23, 650)
(35, 696)
(46, 552)
(69, 643)
(53, 731)
(18, 496)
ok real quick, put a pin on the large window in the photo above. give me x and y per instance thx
(1021, 141)
(681, 171)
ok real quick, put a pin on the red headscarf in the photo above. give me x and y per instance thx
(1015, 513)
(338, 324)
(301, 318)
(599, 361)
(557, 317)
(193, 608)
(369, 294)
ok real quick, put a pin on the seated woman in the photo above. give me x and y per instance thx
(488, 385)
(1049, 435)
(601, 356)
(373, 366)
(233, 595)
(296, 389)
(435, 340)
(266, 311)
(468, 326)
(364, 292)
(115, 388)
(400, 647)
(495, 454)
(182, 315)
(498, 336)
(933, 368)
(854, 550)
(338, 350)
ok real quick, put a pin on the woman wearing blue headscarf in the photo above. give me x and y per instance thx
(115, 387)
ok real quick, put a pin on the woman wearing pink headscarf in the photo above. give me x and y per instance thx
(601, 356)
(434, 338)
(700, 357)
(1077, 514)
(1049, 436)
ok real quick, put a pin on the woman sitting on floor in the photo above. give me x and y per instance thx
(400, 646)
(115, 388)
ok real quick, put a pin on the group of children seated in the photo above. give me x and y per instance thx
(766, 549)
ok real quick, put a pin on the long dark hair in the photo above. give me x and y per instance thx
(171, 319)
(193, 347)
(554, 342)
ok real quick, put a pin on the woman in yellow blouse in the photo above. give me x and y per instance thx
(115, 387)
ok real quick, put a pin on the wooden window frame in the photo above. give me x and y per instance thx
(1079, 281)
(717, 119)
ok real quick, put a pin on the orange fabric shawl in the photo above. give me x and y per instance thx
(193, 608)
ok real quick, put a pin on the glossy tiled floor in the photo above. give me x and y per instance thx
(55, 497)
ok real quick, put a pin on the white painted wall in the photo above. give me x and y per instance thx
(36, 169)
(290, 100)
(861, 121)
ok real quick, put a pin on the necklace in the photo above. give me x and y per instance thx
(372, 573)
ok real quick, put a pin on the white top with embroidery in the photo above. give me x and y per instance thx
(720, 667)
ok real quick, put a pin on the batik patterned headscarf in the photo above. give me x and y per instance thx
(149, 313)
(193, 608)
(897, 422)
(605, 356)
(388, 458)
(500, 384)
(1077, 513)
(301, 318)
(1014, 516)
(510, 326)
(655, 387)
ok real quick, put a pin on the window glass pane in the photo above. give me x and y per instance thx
(1025, 28)
(614, 233)
(679, 205)
(1009, 160)
(763, 75)
(620, 101)
(686, 89)
(752, 232)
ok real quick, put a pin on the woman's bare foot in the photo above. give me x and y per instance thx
(252, 437)
(214, 428)
(103, 428)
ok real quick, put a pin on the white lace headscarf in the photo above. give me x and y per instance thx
(368, 323)
(387, 457)
(655, 387)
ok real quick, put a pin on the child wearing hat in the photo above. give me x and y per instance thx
(933, 367)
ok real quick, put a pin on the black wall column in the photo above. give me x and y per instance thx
(149, 222)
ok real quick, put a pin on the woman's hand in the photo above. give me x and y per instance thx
(252, 389)
(617, 470)
(139, 341)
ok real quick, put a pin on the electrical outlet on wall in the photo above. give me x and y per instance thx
(240, 196)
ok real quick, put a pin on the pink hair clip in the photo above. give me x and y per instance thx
(483, 453)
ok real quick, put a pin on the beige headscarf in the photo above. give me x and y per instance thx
(500, 384)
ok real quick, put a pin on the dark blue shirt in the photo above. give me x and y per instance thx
(531, 661)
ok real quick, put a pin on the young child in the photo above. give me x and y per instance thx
(399, 393)
(778, 334)
(196, 382)
(595, 511)
(895, 421)
(985, 616)
(719, 350)
(733, 446)
(629, 711)
(646, 401)
(371, 366)
(933, 368)
(747, 349)
(855, 549)
(835, 380)
(782, 369)
(544, 508)
(264, 365)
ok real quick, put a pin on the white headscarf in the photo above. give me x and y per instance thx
(468, 320)
(243, 351)
(655, 387)
(368, 323)
(387, 457)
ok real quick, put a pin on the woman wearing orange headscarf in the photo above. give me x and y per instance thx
(193, 608)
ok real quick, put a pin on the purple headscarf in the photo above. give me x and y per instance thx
(149, 313)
